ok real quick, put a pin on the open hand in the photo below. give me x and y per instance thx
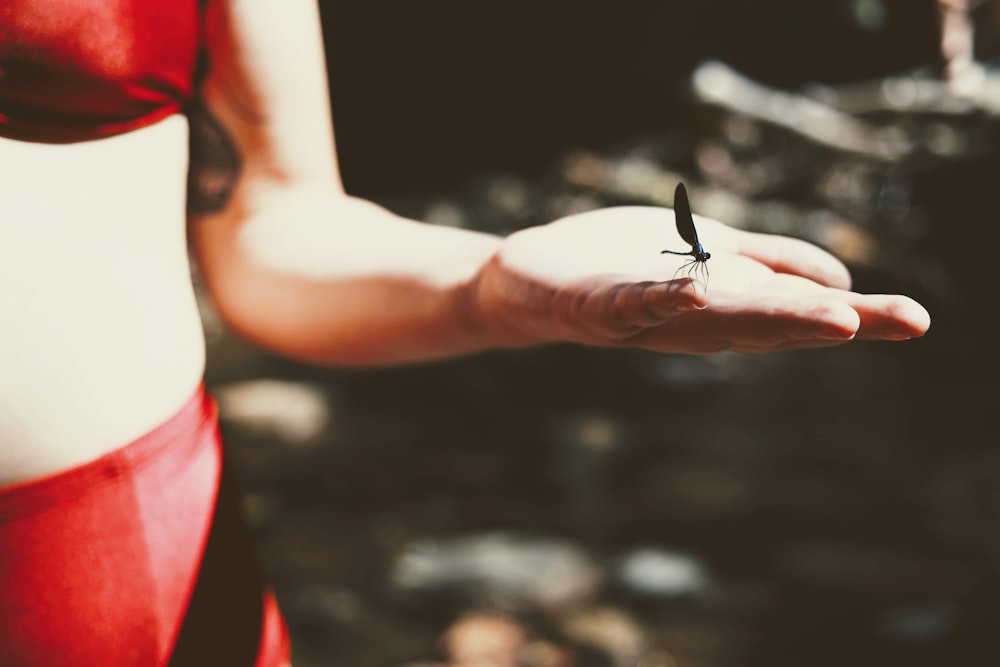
(599, 278)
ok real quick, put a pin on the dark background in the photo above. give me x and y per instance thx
(846, 502)
(426, 95)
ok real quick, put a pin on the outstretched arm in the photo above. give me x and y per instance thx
(291, 261)
(302, 268)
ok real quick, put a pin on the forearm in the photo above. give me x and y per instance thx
(331, 279)
(291, 262)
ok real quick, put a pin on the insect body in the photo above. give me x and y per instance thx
(685, 227)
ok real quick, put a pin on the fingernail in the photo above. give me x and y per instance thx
(687, 306)
(837, 335)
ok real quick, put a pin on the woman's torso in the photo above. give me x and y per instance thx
(100, 335)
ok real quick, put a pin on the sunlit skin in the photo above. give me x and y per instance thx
(596, 278)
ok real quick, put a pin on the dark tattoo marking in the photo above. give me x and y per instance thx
(215, 163)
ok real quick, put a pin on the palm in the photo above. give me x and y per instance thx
(600, 278)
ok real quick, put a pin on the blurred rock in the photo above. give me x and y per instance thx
(895, 199)
(519, 570)
(849, 242)
(657, 658)
(509, 195)
(715, 161)
(485, 640)
(293, 412)
(741, 131)
(611, 630)
(946, 140)
(565, 205)
(444, 213)
(718, 84)
(663, 574)
(585, 169)
(541, 653)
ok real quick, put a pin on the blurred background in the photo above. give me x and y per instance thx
(612, 508)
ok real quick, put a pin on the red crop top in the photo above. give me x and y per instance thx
(72, 70)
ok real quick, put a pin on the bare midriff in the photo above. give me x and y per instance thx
(100, 334)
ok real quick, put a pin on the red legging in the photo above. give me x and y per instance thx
(98, 563)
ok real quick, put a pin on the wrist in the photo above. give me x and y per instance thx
(485, 307)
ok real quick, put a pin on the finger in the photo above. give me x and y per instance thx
(784, 254)
(883, 316)
(771, 321)
(890, 317)
(636, 306)
(670, 297)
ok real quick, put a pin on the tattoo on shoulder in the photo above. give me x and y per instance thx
(215, 163)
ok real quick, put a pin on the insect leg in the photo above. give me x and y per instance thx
(679, 271)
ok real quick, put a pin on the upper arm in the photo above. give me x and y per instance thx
(263, 112)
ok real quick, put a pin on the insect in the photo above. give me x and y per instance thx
(685, 227)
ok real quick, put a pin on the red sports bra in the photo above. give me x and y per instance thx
(72, 70)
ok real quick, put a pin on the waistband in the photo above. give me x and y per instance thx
(36, 495)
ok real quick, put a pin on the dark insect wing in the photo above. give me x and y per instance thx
(682, 213)
(698, 265)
